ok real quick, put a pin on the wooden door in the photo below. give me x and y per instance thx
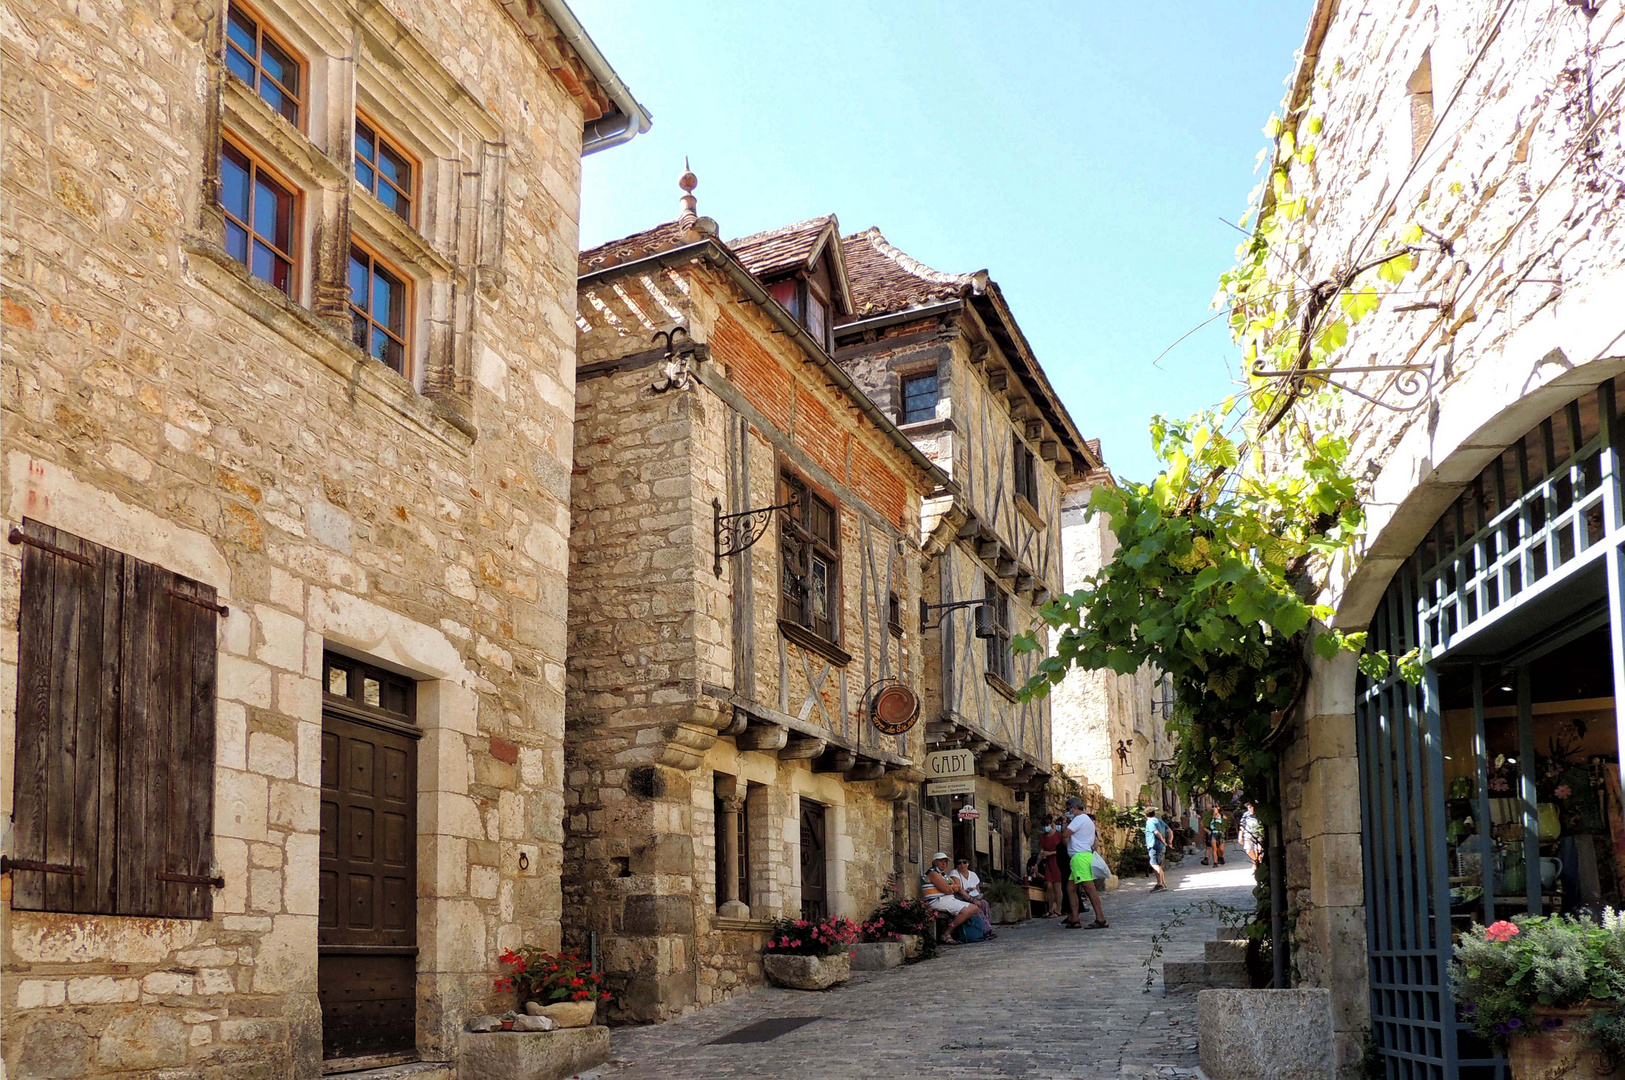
(814, 896)
(367, 925)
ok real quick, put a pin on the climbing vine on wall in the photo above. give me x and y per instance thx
(1211, 578)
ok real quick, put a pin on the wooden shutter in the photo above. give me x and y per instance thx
(114, 801)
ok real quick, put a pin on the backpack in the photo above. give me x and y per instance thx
(972, 930)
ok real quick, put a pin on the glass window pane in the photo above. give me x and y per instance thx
(389, 196)
(358, 329)
(234, 182)
(236, 241)
(815, 318)
(338, 681)
(239, 65)
(394, 168)
(264, 264)
(388, 303)
(241, 30)
(280, 66)
(380, 343)
(282, 275)
(289, 108)
(369, 690)
(363, 141)
(358, 280)
(393, 355)
(363, 174)
(818, 597)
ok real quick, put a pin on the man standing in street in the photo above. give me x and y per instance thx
(1079, 835)
(1157, 838)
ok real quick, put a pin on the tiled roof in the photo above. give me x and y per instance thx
(662, 237)
(885, 280)
(789, 247)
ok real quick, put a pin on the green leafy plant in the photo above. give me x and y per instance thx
(897, 917)
(1503, 971)
(549, 978)
(812, 937)
(1211, 582)
(1003, 891)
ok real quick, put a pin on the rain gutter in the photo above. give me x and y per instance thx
(630, 119)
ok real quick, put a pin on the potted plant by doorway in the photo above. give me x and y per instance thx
(562, 987)
(1007, 899)
(1550, 992)
(810, 954)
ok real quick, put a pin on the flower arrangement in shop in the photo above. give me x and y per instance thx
(548, 978)
(812, 937)
(1547, 979)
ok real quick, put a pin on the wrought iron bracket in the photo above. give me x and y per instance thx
(735, 533)
(926, 610)
(1414, 384)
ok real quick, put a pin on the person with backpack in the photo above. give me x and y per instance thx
(941, 894)
(1214, 824)
(1157, 838)
(1251, 834)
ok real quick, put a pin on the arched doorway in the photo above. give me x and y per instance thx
(1493, 787)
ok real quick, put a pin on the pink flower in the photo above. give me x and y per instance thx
(1563, 791)
(1501, 931)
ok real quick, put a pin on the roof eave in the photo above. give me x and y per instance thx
(631, 119)
(1033, 375)
(717, 254)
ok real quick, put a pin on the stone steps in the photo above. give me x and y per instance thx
(1223, 950)
(1179, 975)
(412, 1070)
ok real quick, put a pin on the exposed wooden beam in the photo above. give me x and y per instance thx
(866, 770)
(836, 760)
(802, 748)
(763, 737)
(1049, 450)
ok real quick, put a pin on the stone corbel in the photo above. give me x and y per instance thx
(988, 761)
(758, 736)
(736, 724)
(799, 747)
(836, 759)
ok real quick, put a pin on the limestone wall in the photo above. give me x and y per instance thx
(159, 401)
(1520, 314)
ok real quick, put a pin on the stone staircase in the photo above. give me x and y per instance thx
(1223, 966)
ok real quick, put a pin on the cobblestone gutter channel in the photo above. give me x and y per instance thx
(1039, 1002)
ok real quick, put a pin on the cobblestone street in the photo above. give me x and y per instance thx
(1038, 1002)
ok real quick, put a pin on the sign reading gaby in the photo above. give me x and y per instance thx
(942, 764)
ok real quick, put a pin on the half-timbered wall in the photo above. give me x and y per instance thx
(682, 678)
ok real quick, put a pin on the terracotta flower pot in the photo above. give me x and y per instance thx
(1563, 1052)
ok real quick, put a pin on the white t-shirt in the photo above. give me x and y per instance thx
(970, 882)
(1083, 835)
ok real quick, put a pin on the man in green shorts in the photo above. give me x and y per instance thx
(1079, 836)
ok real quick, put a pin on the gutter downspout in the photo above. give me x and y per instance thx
(713, 252)
(634, 118)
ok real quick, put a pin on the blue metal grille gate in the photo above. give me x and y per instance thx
(1543, 514)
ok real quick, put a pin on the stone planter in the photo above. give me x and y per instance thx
(566, 1014)
(876, 955)
(1006, 914)
(532, 1055)
(912, 944)
(1562, 1053)
(807, 972)
(1264, 1034)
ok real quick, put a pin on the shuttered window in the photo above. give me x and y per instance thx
(114, 787)
(811, 559)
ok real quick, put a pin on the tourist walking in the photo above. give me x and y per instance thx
(1157, 838)
(1079, 835)
(1251, 833)
(1214, 823)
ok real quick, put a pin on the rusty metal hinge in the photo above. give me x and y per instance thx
(220, 609)
(191, 879)
(8, 865)
(17, 536)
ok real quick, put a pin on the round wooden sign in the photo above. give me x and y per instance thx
(895, 709)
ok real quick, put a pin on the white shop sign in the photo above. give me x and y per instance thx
(965, 785)
(942, 764)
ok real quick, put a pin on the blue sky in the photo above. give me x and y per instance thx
(1083, 153)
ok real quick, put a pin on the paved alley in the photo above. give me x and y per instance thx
(1038, 1002)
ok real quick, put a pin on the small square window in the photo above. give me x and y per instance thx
(378, 308)
(260, 218)
(384, 169)
(919, 398)
(270, 68)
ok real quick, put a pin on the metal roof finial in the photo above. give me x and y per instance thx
(688, 182)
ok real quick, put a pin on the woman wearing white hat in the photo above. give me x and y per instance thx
(944, 895)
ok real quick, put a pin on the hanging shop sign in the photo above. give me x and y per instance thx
(963, 785)
(969, 813)
(943, 764)
(893, 707)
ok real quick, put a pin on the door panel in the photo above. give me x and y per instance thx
(367, 913)
(814, 897)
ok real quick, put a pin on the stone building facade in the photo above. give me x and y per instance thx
(943, 355)
(1496, 127)
(288, 294)
(722, 766)
(1110, 730)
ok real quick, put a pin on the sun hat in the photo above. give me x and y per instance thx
(940, 855)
